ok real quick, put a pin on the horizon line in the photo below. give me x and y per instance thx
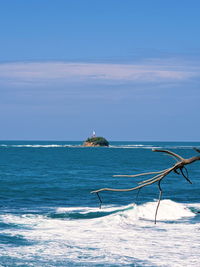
(56, 140)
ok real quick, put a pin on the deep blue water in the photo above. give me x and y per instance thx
(49, 217)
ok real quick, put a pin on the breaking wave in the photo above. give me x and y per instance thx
(112, 236)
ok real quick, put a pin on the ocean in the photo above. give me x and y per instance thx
(48, 217)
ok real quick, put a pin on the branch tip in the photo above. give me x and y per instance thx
(196, 149)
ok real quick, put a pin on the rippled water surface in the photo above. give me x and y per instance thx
(48, 217)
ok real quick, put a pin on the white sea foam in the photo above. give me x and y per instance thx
(152, 147)
(120, 146)
(168, 210)
(193, 205)
(124, 237)
(134, 147)
(39, 146)
(84, 210)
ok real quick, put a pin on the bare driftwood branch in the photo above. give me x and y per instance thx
(178, 168)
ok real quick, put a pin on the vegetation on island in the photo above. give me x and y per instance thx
(97, 141)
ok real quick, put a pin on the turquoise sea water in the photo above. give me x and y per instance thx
(48, 217)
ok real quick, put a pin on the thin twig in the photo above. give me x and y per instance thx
(160, 195)
(151, 179)
(196, 149)
(136, 199)
(170, 153)
(185, 176)
(136, 175)
(100, 201)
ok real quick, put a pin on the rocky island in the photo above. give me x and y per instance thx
(96, 141)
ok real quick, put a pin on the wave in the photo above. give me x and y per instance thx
(39, 146)
(121, 146)
(124, 235)
(87, 213)
(154, 146)
(137, 147)
(168, 211)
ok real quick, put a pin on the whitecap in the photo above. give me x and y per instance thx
(126, 237)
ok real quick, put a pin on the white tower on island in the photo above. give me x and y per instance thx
(93, 134)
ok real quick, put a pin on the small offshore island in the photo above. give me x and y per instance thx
(96, 141)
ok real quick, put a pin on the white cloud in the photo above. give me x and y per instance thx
(63, 72)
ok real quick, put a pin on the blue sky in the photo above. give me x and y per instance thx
(128, 69)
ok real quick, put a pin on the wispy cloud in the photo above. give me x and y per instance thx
(64, 72)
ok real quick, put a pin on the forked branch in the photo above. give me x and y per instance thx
(178, 168)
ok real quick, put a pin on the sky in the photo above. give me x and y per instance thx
(128, 69)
